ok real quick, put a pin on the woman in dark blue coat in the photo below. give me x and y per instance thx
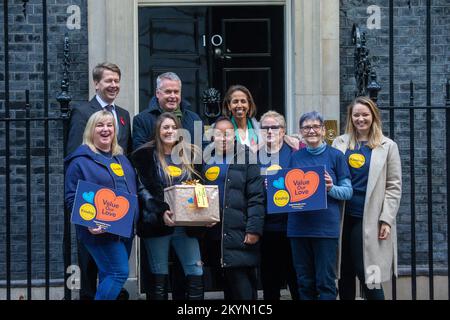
(235, 240)
(98, 161)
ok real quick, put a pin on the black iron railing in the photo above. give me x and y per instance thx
(26, 120)
(428, 115)
(431, 115)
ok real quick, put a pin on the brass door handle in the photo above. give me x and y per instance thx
(219, 55)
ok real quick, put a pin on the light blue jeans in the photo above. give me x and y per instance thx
(186, 248)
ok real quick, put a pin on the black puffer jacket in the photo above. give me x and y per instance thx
(243, 211)
(151, 196)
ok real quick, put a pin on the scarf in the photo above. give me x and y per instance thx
(176, 112)
(252, 136)
(318, 150)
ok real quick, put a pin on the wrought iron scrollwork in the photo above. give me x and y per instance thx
(447, 91)
(211, 103)
(64, 97)
(24, 10)
(365, 75)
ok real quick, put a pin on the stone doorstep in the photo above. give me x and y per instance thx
(403, 291)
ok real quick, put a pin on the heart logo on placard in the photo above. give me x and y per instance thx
(109, 207)
(301, 185)
(279, 183)
(88, 197)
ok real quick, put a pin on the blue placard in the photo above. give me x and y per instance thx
(296, 190)
(111, 209)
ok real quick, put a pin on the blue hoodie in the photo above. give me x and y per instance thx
(84, 164)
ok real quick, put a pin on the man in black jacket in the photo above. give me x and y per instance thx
(167, 99)
(106, 77)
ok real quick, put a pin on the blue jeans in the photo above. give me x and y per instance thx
(186, 248)
(315, 264)
(112, 262)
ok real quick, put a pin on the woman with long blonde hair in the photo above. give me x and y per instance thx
(369, 237)
(99, 160)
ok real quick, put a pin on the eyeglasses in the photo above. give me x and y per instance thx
(315, 127)
(273, 128)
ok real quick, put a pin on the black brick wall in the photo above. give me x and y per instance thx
(409, 64)
(26, 73)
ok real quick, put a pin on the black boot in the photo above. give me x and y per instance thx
(123, 295)
(195, 288)
(159, 289)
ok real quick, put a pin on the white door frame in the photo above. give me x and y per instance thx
(121, 20)
(289, 78)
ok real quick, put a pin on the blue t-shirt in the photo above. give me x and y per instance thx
(275, 222)
(215, 173)
(321, 223)
(175, 171)
(358, 161)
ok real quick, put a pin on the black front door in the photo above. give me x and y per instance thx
(215, 46)
(251, 53)
(170, 40)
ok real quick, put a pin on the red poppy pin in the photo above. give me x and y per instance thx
(122, 121)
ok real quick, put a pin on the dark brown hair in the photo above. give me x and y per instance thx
(227, 100)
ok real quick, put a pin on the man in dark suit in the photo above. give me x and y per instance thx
(106, 78)
(167, 99)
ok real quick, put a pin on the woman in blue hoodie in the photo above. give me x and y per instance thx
(98, 160)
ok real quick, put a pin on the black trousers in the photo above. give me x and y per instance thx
(145, 273)
(352, 262)
(88, 273)
(241, 283)
(277, 267)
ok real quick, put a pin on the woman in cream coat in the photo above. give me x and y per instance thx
(369, 237)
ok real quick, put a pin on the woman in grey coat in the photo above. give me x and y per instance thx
(369, 237)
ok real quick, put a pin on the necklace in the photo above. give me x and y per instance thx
(107, 155)
(360, 144)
